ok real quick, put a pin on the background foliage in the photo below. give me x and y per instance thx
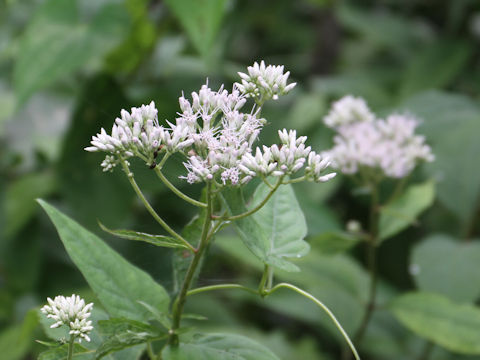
(67, 67)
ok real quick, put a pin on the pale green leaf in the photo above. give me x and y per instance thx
(60, 353)
(447, 266)
(333, 242)
(117, 283)
(404, 210)
(455, 327)
(219, 347)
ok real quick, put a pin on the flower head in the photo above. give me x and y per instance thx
(267, 82)
(71, 311)
(389, 145)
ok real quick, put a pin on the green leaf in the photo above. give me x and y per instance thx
(404, 210)
(333, 242)
(435, 66)
(276, 231)
(157, 240)
(61, 353)
(57, 43)
(451, 124)
(15, 341)
(117, 283)
(453, 326)
(219, 347)
(201, 20)
(447, 266)
(20, 199)
(124, 333)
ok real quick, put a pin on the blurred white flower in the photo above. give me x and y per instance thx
(390, 145)
(72, 312)
(348, 110)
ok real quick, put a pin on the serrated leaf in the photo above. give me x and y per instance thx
(124, 333)
(201, 20)
(333, 242)
(219, 347)
(455, 327)
(447, 266)
(275, 232)
(157, 240)
(404, 210)
(60, 353)
(117, 283)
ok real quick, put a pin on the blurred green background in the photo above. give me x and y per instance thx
(67, 68)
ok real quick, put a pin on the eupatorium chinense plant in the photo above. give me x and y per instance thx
(216, 133)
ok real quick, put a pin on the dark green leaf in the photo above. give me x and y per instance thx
(117, 283)
(404, 210)
(447, 266)
(453, 326)
(157, 240)
(124, 333)
(219, 347)
(15, 341)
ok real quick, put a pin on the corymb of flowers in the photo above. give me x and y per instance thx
(72, 312)
(363, 141)
(216, 134)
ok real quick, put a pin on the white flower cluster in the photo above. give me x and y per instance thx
(70, 311)
(215, 135)
(266, 82)
(364, 141)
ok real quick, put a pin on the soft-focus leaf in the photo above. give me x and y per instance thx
(56, 43)
(435, 66)
(219, 347)
(404, 210)
(201, 20)
(60, 353)
(157, 240)
(453, 326)
(124, 333)
(15, 341)
(451, 123)
(276, 231)
(447, 266)
(332, 242)
(20, 199)
(117, 283)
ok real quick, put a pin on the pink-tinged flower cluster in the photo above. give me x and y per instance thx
(215, 134)
(362, 140)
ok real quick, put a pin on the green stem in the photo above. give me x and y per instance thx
(262, 289)
(177, 191)
(70, 347)
(221, 287)
(181, 298)
(323, 307)
(150, 352)
(149, 207)
(259, 206)
(372, 266)
(294, 181)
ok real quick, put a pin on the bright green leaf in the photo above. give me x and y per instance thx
(453, 326)
(404, 210)
(219, 347)
(447, 266)
(276, 231)
(157, 240)
(201, 20)
(117, 283)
